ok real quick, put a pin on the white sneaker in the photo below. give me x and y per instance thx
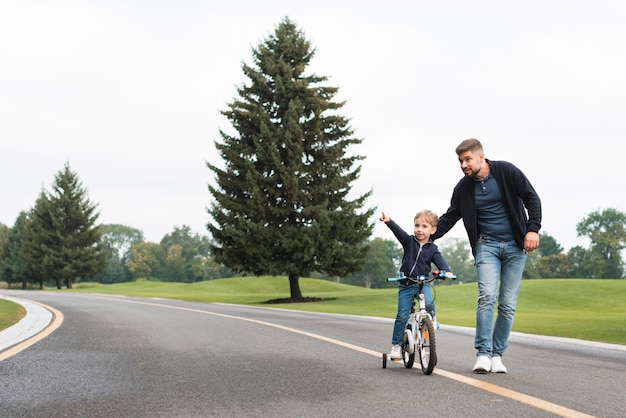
(483, 365)
(497, 366)
(396, 353)
(436, 323)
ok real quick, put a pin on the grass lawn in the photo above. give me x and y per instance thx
(586, 309)
(10, 313)
(592, 310)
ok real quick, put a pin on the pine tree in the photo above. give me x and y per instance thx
(66, 233)
(12, 260)
(21, 258)
(281, 203)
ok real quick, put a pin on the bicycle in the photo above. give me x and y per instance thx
(419, 334)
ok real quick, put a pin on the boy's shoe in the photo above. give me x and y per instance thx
(497, 366)
(436, 323)
(483, 365)
(396, 353)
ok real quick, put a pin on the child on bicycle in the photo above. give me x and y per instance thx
(419, 253)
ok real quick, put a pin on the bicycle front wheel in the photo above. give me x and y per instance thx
(427, 347)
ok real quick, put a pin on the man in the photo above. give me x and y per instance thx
(492, 199)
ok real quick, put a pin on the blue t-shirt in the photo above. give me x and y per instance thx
(490, 212)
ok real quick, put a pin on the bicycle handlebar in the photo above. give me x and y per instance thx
(441, 275)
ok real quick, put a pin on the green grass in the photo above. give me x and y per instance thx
(10, 313)
(593, 310)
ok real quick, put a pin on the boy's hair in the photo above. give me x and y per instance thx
(429, 215)
(471, 144)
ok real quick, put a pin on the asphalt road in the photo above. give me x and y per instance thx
(130, 357)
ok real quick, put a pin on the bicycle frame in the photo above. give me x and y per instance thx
(415, 318)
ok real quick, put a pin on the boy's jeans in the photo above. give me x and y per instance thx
(405, 301)
(504, 262)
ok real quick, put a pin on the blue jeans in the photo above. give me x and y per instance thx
(504, 262)
(406, 293)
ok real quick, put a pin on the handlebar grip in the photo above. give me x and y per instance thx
(444, 276)
(395, 279)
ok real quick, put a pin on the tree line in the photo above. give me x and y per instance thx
(281, 203)
(59, 242)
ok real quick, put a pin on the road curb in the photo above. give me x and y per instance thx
(36, 320)
(519, 336)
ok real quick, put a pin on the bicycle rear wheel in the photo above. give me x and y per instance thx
(427, 347)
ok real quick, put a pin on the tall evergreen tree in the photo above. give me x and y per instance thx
(4, 233)
(66, 231)
(20, 254)
(281, 203)
(13, 263)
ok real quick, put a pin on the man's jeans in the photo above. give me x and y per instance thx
(405, 301)
(496, 260)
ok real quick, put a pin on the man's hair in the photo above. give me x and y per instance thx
(430, 216)
(471, 144)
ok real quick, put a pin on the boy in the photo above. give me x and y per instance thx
(419, 253)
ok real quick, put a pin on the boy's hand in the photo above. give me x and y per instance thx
(384, 218)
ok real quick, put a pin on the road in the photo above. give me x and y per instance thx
(132, 357)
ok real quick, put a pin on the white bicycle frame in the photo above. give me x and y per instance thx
(411, 335)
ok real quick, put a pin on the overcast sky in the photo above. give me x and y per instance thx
(129, 93)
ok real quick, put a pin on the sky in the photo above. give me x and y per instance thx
(129, 94)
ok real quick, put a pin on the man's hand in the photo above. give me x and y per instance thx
(531, 242)
(384, 218)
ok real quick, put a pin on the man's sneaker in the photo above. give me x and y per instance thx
(396, 353)
(497, 366)
(483, 365)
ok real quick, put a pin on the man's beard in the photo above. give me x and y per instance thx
(473, 173)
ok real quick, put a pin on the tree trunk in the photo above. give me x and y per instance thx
(58, 284)
(68, 283)
(294, 287)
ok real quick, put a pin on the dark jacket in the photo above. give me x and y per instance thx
(411, 265)
(518, 196)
